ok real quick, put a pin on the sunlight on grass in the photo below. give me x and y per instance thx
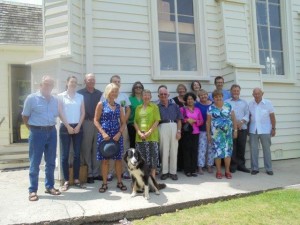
(269, 208)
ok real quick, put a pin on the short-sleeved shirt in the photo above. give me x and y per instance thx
(241, 110)
(260, 117)
(145, 118)
(171, 112)
(90, 102)
(196, 115)
(226, 95)
(134, 103)
(71, 106)
(41, 112)
(203, 109)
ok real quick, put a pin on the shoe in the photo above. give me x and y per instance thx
(126, 176)
(121, 186)
(110, 177)
(98, 178)
(243, 169)
(52, 191)
(33, 197)
(174, 176)
(228, 175)
(65, 187)
(90, 180)
(270, 173)
(188, 174)
(164, 176)
(254, 172)
(232, 170)
(194, 175)
(219, 175)
(103, 188)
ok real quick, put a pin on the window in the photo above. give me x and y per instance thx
(269, 30)
(177, 41)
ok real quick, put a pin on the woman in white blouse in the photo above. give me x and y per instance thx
(71, 107)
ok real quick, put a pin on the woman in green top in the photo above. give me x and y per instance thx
(135, 100)
(146, 119)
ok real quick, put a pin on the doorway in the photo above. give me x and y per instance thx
(20, 88)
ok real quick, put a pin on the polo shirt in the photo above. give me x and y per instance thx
(90, 102)
(241, 110)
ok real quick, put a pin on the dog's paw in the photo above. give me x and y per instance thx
(157, 193)
(133, 194)
(147, 197)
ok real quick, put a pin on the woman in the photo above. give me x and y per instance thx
(135, 100)
(110, 123)
(219, 126)
(205, 154)
(181, 90)
(72, 112)
(146, 119)
(193, 116)
(195, 87)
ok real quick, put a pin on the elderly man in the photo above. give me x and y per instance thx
(219, 83)
(262, 127)
(39, 115)
(241, 110)
(89, 142)
(170, 133)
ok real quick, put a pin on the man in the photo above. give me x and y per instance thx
(262, 127)
(219, 83)
(241, 110)
(89, 142)
(124, 101)
(39, 115)
(170, 132)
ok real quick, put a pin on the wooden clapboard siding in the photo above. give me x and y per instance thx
(296, 34)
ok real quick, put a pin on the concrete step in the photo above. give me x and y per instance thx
(14, 163)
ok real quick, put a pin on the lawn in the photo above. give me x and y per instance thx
(280, 207)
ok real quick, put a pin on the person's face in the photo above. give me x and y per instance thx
(114, 93)
(72, 84)
(116, 81)
(257, 94)
(203, 97)
(163, 95)
(138, 89)
(181, 91)
(90, 81)
(218, 99)
(190, 101)
(219, 84)
(235, 93)
(146, 97)
(196, 86)
(46, 87)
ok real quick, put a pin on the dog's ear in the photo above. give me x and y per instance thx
(125, 156)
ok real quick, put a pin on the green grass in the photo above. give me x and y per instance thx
(280, 207)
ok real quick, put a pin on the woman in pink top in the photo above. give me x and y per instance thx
(193, 116)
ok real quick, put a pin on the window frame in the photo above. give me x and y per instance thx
(201, 50)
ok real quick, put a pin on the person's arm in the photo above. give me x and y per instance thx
(63, 117)
(127, 113)
(98, 113)
(82, 116)
(178, 133)
(153, 127)
(233, 119)
(25, 120)
(273, 122)
(208, 128)
(122, 127)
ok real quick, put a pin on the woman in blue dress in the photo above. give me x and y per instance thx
(110, 122)
(221, 129)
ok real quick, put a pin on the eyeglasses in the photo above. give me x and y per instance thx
(138, 87)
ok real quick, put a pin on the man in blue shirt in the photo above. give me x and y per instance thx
(39, 115)
(219, 83)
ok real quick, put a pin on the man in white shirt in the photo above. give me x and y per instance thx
(262, 127)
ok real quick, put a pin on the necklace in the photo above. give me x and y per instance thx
(112, 105)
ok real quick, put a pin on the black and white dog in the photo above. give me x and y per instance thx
(140, 174)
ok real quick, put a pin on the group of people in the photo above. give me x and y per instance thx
(191, 132)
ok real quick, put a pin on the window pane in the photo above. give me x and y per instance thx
(274, 12)
(263, 39)
(166, 6)
(185, 7)
(275, 1)
(187, 38)
(168, 56)
(167, 36)
(278, 62)
(261, 13)
(264, 56)
(276, 39)
(188, 57)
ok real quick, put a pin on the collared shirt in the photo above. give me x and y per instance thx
(90, 102)
(171, 112)
(226, 95)
(260, 117)
(71, 106)
(41, 112)
(241, 110)
(135, 102)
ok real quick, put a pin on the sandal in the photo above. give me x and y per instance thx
(121, 186)
(103, 188)
(52, 191)
(33, 197)
(65, 187)
(228, 175)
(219, 175)
(79, 185)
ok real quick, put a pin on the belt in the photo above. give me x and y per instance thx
(42, 127)
(167, 121)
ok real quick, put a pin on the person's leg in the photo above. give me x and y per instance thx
(234, 161)
(265, 140)
(241, 146)
(173, 148)
(194, 152)
(87, 145)
(104, 169)
(131, 134)
(77, 139)
(218, 165)
(65, 140)
(202, 147)
(164, 146)
(227, 164)
(254, 151)
(95, 164)
(50, 156)
(118, 168)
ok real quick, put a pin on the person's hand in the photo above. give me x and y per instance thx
(117, 136)
(178, 135)
(273, 133)
(77, 129)
(142, 135)
(191, 121)
(105, 136)
(70, 129)
(235, 134)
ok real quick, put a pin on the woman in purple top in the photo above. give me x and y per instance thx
(193, 116)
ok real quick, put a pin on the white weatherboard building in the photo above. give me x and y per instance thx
(254, 43)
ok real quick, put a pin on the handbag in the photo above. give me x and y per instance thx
(109, 149)
(187, 127)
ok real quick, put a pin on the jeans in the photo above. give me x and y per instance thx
(65, 140)
(265, 140)
(42, 141)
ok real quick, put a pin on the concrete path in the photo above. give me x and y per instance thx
(81, 206)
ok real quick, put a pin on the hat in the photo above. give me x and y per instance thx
(109, 149)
